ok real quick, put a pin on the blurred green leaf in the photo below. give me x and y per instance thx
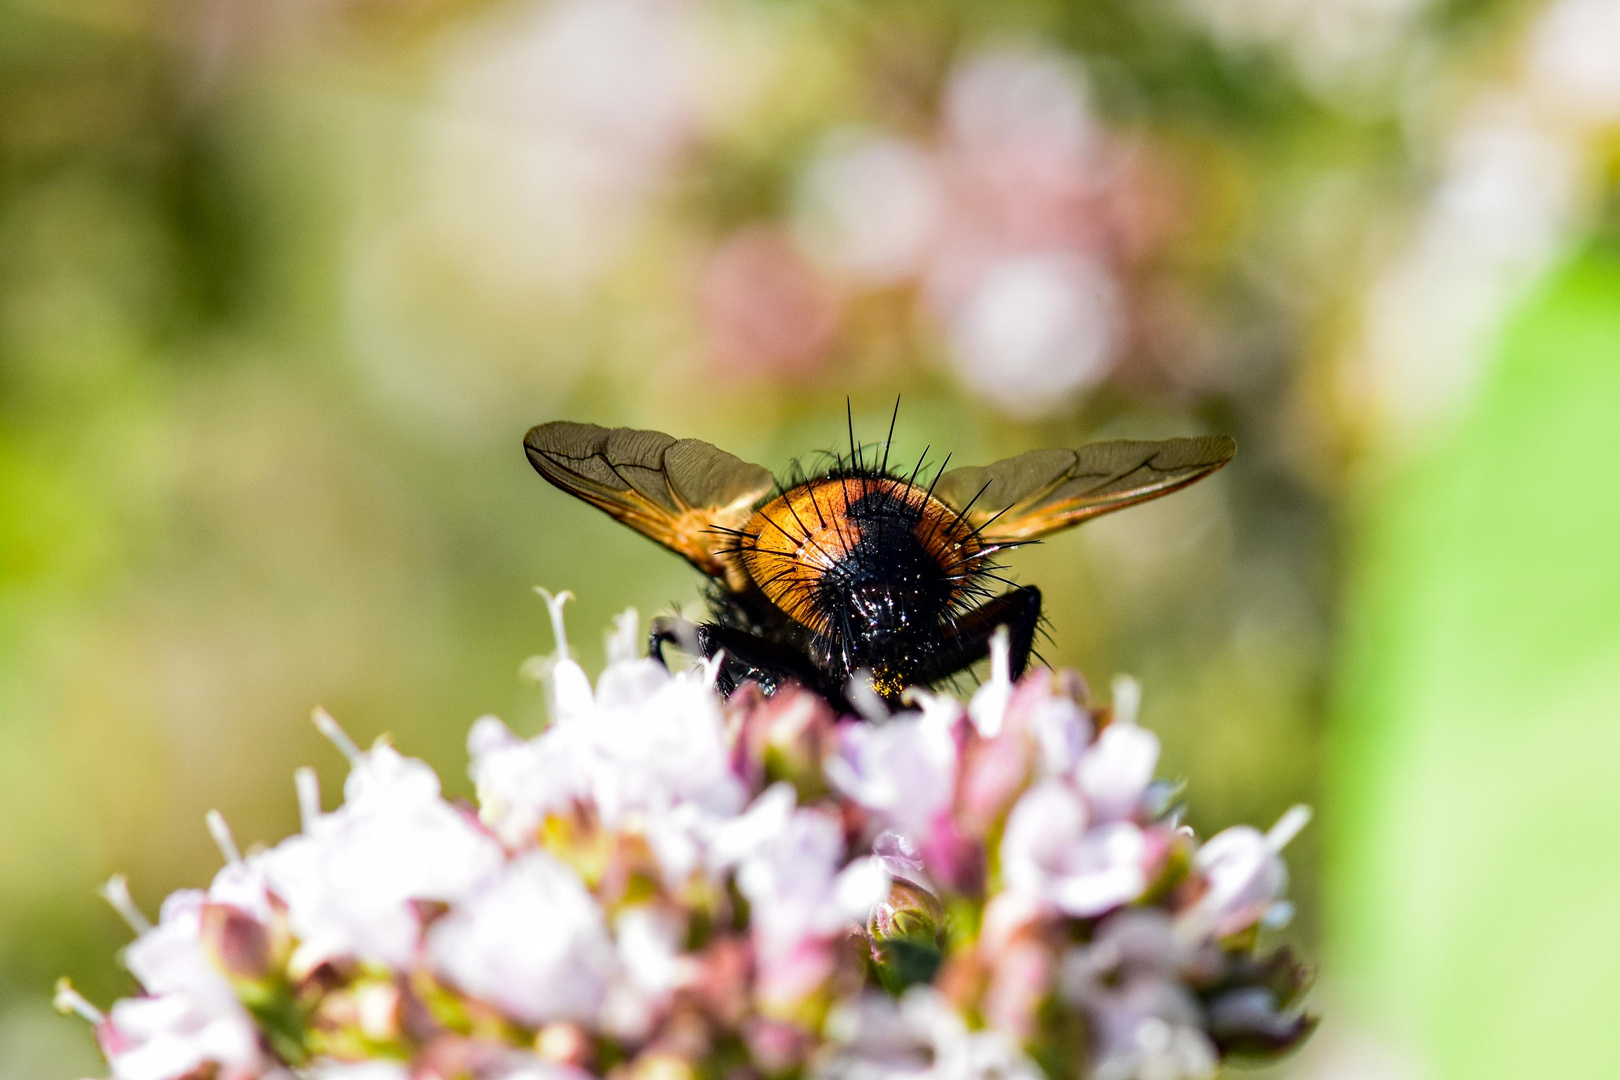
(1475, 892)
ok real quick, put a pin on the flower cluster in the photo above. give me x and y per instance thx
(664, 885)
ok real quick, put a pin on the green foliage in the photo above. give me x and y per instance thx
(1476, 738)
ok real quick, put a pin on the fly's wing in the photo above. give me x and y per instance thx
(1040, 492)
(680, 492)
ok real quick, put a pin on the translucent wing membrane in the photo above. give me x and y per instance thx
(1037, 493)
(682, 493)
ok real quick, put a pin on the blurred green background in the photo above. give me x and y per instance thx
(283, 282)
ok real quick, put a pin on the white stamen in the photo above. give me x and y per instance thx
(1127, 699)
(116, 893)
(866, 700)
(335, 733)
(69, 1000)
(1288, 827)
(937, 709)
(309, 797)
(988, 706)
(624, 639)
(221, 833)
(555, 604)
(1001, 655)
(711, 668)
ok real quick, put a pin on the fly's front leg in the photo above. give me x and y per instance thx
(672, 629)
(969, 642)
(747, 656)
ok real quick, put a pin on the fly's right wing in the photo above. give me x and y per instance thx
(1032, 495)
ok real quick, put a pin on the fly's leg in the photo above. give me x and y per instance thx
(969, 642)
(674, 630)
(747, 656)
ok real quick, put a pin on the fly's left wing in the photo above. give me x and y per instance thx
(680, 492)
(1043, 491)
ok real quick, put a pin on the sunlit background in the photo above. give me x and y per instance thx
(283, 282)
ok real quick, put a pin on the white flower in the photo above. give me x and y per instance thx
(900, 856)
(688, 836)
(519, 782)
(1062, 731)
(798, 887)
(801, 895)
(327, 1069)
(401, 880)
(921, 1038)
(645, 745)
(349, 882)
(1150, 1028)
(988, 707)
(874, 1043)
(169, 958)
(903, 770)
(658, 740)
(168, 1036)
(1245, 874)
(751, 831)
(531, 940)
(1116, 770)
(650, 948)
(651, 967)
(1048, 851)
(243, 884)
(191, 1016)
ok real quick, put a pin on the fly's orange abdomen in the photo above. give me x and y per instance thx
(842, 531)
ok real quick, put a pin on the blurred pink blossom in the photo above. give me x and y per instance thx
(765, 308)
(1018, 225)
(1049, 851)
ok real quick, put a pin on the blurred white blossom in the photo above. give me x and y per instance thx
(531, 940)
(550, 129)
(870, 206)
(1338, 47)
(1571, 66)
(1035, 330)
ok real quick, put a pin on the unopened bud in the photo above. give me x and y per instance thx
(240, 944)
(907, 932)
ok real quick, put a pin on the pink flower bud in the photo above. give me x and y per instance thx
(239, 944)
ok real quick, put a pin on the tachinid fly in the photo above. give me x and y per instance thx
(855, 570)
